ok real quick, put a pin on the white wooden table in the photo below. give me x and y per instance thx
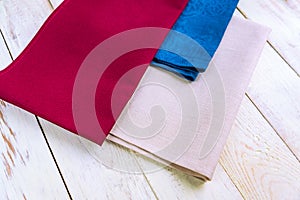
(39, 160)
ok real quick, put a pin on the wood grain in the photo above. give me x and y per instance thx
(94, 172)
(22, 169)
(256, 159)
(20, 20)
(284, 19)
(126, 166)
(275, 90)
(178, 185)
(27, 169)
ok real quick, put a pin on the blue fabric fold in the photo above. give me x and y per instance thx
(205, 21)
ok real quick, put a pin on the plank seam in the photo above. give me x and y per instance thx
(266, 119)
(52, 154)
(227, 173)
(252, 101)
(10, 54)
(51, 5)
(144, 175)
(270, 43)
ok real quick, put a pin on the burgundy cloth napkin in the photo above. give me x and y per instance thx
(186, 124)
(44, 78)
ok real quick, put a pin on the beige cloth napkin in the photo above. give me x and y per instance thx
(186, 124)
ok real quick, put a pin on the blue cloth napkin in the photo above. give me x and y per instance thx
(205, 21)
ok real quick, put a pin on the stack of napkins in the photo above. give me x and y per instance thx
(186, 124)
(69, 71)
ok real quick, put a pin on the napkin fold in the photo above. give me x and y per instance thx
(186, 124)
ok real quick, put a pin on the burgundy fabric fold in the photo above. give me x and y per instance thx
(41, 80)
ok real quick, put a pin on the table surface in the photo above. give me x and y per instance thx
(260, 160)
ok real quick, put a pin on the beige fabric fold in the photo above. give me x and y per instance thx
(186, 124)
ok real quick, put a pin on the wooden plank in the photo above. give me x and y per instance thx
(92, 172)
(20, 20)
(284, 19)
(89, 159)
(256, 159)
(177, 185)
(27, 169)
(275, 90)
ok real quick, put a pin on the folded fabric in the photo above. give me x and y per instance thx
(43, 79)
(205, 21)
(186, 124)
